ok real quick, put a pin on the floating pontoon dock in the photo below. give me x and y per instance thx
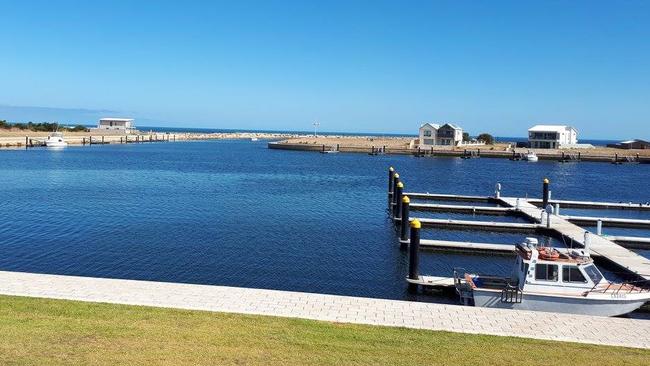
(595, 205)
(540, 221)
(609, 221)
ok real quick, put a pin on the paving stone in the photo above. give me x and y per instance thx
(345, 309)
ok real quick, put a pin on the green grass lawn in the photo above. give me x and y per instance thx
(41, 331)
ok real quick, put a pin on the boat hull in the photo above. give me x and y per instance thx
(559, 304)
(56, 145)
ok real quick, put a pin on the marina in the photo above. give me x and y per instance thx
(325, 183)
(544, 221)
(231, 194)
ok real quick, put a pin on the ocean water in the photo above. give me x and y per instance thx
(236, 213)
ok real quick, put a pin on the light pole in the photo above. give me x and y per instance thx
(316, 124)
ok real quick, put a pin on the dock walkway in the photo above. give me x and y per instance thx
(595, 205)
(479, 225)
(602, 246)
(343, 309)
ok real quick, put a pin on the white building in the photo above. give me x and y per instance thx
(432, 134)
(552, 136)
(124, 125)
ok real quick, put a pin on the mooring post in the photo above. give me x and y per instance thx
(599, 227)
(26, 142)
(83, 141)
(587, 243)
(399, 189)
(391, 173)
(90, 140)
(102, 140)
(497, 191)
(414, 252)
(545, 192)
(392, 197)
(557, 208)
(404, 222)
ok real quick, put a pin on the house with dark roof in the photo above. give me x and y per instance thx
(432, 134)
(631, 144)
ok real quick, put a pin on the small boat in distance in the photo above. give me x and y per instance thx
(253, 139)
(531, 156)
(55, 140)
(546, 279)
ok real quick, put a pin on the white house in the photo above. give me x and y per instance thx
(124, 125)
(432, 134)
(552, 136)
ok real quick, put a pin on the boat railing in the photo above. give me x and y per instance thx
(627, 287)
(511, 295)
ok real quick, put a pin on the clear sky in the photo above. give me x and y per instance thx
(355, 66)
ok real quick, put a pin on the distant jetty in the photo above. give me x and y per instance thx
(25, 139)
(374, 145)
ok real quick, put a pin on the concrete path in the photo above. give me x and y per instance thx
(345, 309)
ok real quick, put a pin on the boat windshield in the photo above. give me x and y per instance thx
(593, 273)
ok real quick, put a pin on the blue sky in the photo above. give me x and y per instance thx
(373, 66)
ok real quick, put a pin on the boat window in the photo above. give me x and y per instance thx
(546, 272)
(572, 274)
(593, 273)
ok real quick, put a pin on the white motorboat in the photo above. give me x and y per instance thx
(530, 156)
(546, 279)
(253, 139)
(55, 140)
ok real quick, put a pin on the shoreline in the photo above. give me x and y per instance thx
(402, 146)
(365, 144)
(26, 139)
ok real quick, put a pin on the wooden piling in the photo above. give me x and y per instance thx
(414, 252)
(397, 208)
(545, 193)
(391, 173)
(391, 208)
(404, 222)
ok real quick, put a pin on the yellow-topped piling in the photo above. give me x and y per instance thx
(404, 221)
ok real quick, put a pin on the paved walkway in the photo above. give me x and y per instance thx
(453, 318)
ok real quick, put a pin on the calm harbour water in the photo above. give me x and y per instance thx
(236, 213)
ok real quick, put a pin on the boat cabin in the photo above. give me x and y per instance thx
(540, 267)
